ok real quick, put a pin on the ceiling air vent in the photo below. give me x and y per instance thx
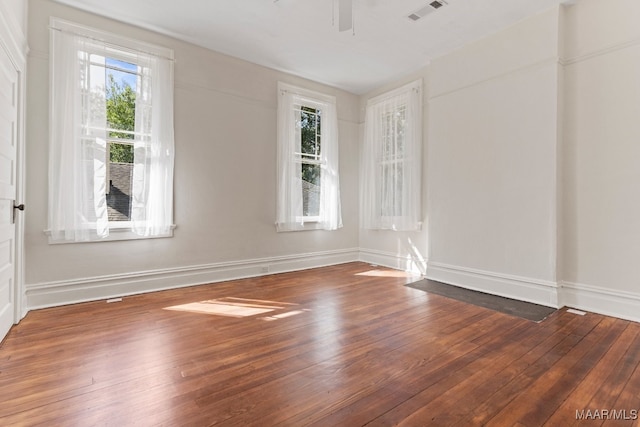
(422, 12)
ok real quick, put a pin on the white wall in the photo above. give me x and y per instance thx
(601, 230)
(16, 10)
(13, 19)
(492, 141)
(533, 162)
(225, 186)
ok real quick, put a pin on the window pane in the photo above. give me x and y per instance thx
(310, 131)
(94, 97)
(120, 153)
(400, 121)
(391, 189)
(121, 97)
(120, 89)
(393, 134)
(311, 189)
(392, 172)
(119, 185)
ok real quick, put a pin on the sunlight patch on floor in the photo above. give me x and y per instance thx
(231, 307)
(284, 315)
(387, 273)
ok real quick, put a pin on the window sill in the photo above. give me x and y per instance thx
(310, 223)
(391, 224)
(121, 231)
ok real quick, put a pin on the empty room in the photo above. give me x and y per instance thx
(319, 212)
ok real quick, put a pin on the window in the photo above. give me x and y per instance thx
(120, 93)
(308, 181)
(310, 160)
(391, 161)
(111, 148)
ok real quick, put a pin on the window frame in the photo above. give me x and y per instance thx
(393, 160)
(321, 103)
(124, 49)
(313, 160)
(380, 150)
(122, 56)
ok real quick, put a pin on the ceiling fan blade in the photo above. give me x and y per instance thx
(345, 15)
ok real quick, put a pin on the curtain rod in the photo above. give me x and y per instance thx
(317, 98)
(111, 43)
(415, 87)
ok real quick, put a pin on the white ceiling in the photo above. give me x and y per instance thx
(299, 36)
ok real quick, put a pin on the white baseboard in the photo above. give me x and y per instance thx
(624, 305)
(618, 304)
(53, 294)
(391, 260)
(521, 288)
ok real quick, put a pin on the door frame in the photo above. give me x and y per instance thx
(14, 44)
(19, 292)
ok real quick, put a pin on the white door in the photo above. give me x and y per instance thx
(8, 165)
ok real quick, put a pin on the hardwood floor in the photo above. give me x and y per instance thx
(347, 345)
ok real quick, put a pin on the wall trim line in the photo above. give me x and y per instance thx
(554, 60)
(620, 304)
(537, 291)
(56, 293)
(399, 262)
(601, 52)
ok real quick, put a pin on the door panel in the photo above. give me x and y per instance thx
(8, 154)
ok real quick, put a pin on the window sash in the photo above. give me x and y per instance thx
(142, 136)
(310, 159)
(317, 128)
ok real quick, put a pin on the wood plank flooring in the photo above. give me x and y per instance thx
(346, 345)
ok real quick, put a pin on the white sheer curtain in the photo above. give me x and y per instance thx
(152, 181)
(78, 157)
(330, 209)
(289, 203)
(289, 206)
(391, 160)
(77, 169)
